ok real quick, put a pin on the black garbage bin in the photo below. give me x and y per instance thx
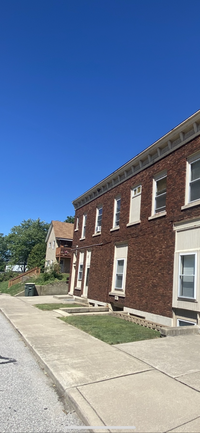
(29, 289)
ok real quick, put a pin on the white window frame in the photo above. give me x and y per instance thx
(185, 321)
(155, 181)
(98, 220)
(119, 255)
(195, 275)
(80, 267)
(84, 226)
(117, 273)
(191, 160)
(135, 192)
(116, 220)
(53, 245)
(77, 223)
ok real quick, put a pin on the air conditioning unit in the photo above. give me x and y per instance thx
(98, 229)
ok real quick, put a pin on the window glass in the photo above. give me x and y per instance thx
(195, 181)
(119, 274)
(99, 219)
(187, 276)
(185, 323)
(80, 274)
(161, 191)
(117, 213)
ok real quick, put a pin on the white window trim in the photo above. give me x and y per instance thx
(115, 291)
(185, 321)
(115, 226)
(195, 277)
(81, 262)
(83, 227)
(189, 203)
(130, 223)
(97, 229)
(77, 224)
(120, 289)
(155, 214)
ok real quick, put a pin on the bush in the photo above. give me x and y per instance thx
(52, 272)
(5, 276)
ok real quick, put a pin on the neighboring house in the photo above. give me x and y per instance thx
(59, 243)
(16, 268)
(136, 242)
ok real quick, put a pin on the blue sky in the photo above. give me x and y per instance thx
(85, 85)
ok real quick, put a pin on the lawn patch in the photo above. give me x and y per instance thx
(48, 307)
(13, 290)
(110, 329)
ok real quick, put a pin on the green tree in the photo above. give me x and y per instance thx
(24, 237)
(37, 256)
(69, 219)
(4, 253)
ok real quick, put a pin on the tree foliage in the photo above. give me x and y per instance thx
(24, 237)
(37, 256)
(4, 253)
(69, 219)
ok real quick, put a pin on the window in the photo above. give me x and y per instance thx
(117, 212)
(187, 277)
(84, 226)
(119, 269)
(194, 181)
(49, 244)
(160, 194)
(181, 322)
(77, 223)
(135, 204)
(98, 219)
(53, 245)
(119, 274)
(80, 270)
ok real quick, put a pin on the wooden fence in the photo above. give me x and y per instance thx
(23, 277)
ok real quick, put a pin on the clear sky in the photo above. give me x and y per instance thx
(85, 85)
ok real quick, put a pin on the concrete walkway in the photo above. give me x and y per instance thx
(148, 386)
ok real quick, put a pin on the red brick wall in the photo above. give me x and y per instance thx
(150, 244)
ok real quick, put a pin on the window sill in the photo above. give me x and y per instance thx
(157, 215)
(96, 234)
(81, 239)
(77, 288)
(114, 229)
(192, 204)
(182, 298)
(118, 293)
(133, 224)
(76, 230)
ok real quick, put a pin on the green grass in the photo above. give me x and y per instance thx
(48, 307)
(13, 290)
(110, 329)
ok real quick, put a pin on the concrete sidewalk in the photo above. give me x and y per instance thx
(150, 385)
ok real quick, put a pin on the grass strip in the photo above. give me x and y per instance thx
(110, 329)
(48, 307)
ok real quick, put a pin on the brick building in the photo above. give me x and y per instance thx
(136, 242)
